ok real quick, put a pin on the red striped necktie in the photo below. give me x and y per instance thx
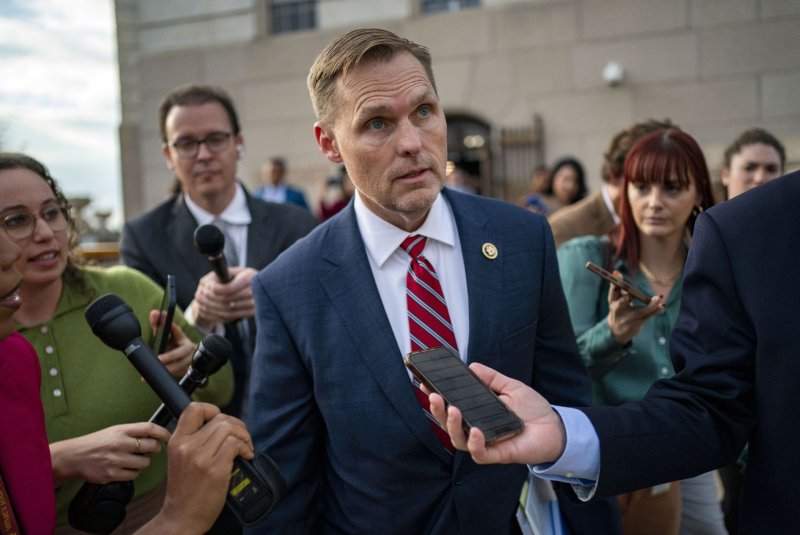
(428, 319)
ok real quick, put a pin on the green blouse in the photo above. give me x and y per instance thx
(87, 386)
(619, 373)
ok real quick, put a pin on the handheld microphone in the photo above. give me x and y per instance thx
(210, 241)
(113, 321)
(212, 353)
(100, 508)
(257, 485)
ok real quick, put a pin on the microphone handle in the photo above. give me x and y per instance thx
(254, 489)
(189, 383)
(157, 376)
(220, 266)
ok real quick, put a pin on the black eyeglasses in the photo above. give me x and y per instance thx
(20, 224)
(187, 148)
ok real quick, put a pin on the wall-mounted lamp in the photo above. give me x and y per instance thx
(613, 74)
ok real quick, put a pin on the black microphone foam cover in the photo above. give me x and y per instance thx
(216, 350)
(209, 240)
(113, 321)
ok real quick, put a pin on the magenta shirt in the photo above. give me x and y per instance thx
(24, 451)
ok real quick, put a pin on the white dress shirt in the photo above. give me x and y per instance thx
(272, 193)
(389, 264)
(236, 217)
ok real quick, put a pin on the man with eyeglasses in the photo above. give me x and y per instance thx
(202, 142)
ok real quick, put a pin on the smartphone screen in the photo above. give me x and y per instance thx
(161, 336)
(634, 292)
(443, 372)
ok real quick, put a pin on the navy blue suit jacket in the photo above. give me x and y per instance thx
(332, 403)
(737, 358)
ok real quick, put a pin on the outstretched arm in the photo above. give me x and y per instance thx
(542, 441)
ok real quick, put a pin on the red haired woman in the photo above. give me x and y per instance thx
(625, 344)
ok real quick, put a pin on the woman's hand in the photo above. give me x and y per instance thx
(116, 453)
(625, 319)
(180, 349)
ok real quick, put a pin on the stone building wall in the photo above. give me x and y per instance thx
(715, 67)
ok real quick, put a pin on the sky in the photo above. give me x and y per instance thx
(59, 94)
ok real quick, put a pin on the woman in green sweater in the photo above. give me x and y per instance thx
(96, 406)
(624, 344)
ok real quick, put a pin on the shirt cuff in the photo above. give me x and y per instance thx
(188, 315)
(579, 465)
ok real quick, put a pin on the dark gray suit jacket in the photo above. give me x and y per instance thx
(161, 241)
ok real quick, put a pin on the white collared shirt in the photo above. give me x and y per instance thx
(236, 216)
(389, 264)
(270, 192)
(609, 204)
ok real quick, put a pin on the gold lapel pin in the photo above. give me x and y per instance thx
(489, 251)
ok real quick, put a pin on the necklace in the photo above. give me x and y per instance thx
(669, 281)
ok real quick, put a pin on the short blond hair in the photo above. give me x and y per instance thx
(348, 51)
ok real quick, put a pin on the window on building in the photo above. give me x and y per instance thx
(438, 6)
(293, 15)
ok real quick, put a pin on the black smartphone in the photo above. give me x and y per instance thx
(161, 336)
(620, 283)
(443, 372)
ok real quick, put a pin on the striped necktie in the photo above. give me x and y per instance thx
(428, 319)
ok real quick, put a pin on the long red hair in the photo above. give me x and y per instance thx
(656, 158)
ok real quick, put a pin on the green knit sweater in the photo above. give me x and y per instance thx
(87, 386)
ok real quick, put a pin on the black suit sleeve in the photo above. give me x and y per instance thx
(701, 418)
(132, 253)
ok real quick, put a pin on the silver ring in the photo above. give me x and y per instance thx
(232, 304)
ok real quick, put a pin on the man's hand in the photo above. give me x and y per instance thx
(215, 302)
(201, 454)
(542, 440)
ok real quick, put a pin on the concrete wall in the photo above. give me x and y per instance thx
(715, 67)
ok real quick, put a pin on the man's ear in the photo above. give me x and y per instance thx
(167, 156)
(327, 142)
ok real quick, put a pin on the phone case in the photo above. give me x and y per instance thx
(443, 372)
(161, 336)
(634, 292)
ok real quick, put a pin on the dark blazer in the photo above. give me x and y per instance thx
(332, 403)
(295, 196)
(161, 241)
(736, 355)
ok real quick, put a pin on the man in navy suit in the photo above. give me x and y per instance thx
(735, 351)
(275, 189)
(330, 399)
(202, 142)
